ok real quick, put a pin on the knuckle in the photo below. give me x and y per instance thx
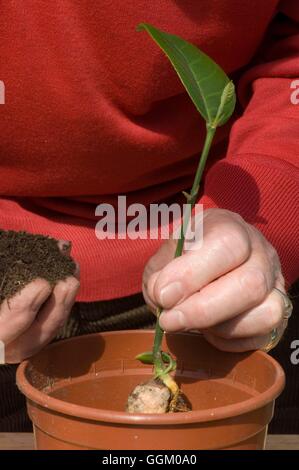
(237, 218)
(273, 258)
(240, 244)
(254, 283)
(241, 236)
(275, 314)
(74, 283)
(272, 253)
(66, 291)
(63, 287)
(235, 242)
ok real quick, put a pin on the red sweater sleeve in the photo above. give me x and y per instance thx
(259, 178)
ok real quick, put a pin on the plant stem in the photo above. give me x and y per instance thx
(191, 200)
(158, 361)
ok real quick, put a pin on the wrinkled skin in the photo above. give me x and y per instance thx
(224, 288)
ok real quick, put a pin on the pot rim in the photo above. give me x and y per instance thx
(122, 417)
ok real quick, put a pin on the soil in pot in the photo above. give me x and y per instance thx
(25, 257)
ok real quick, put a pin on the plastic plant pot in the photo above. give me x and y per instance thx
(77, 389)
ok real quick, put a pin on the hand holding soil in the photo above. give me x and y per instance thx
(38, 290)
(224, 289)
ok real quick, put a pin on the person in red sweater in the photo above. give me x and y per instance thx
(93, 110)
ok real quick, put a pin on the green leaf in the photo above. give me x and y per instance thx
(208, 86)
(148, 358)
(224, 111)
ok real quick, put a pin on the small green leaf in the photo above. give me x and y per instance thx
(146, 357)
(223, 113)
(208, 86)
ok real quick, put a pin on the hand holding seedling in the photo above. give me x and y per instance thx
(224, 288)
(31, 318)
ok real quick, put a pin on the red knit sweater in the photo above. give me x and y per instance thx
(93, 109)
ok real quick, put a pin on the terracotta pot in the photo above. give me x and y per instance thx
(77, 390)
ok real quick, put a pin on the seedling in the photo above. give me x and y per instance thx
(213, 94)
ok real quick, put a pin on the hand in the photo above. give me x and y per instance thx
(32, 317)
(224, 288)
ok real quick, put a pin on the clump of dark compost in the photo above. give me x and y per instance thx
(25, 257)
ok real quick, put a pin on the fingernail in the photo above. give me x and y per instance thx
(171, 294)
(64, 245)
(172, 320)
